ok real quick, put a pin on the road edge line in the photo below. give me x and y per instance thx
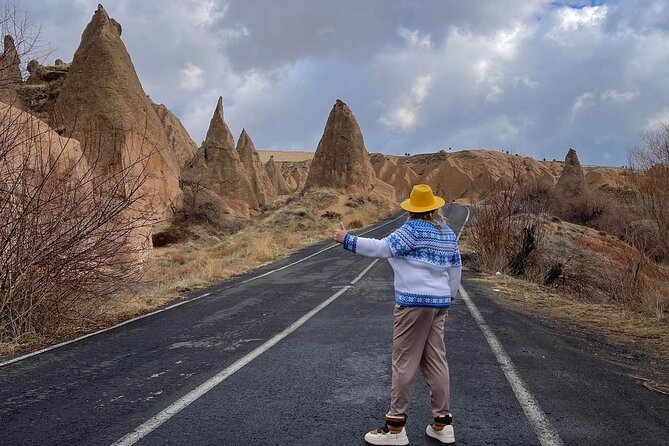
(542, 426)
(546, 433)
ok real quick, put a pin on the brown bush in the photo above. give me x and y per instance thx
(503, 230)
(354, 224)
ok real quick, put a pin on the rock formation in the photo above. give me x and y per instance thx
(217, 166)
(466, 174)
(276, 178)
(341, 161)
(572, 181)
(401, 177)
(181, 144)
(10, 72)
(103, 105)
(262, 186)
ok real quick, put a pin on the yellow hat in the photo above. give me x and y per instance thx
(422, 200)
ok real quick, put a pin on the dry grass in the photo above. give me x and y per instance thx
(618, 324)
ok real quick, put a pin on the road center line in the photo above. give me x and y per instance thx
(542, 426)
(157, 420)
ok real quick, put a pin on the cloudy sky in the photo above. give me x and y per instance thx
(536, 77)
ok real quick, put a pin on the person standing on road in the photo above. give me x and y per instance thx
(426, 262)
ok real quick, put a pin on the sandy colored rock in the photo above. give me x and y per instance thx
(572, 180)
(10, 71)
(35, 140)
(401, 177)
(276, 178)
(103, 105)
(341, 161)
(464, 175)
(262, 186)
(217, 166)
(285, 155)
(181, 144)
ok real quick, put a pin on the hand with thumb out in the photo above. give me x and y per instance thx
(340, 233)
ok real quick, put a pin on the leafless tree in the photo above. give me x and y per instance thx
(650, 167)
(505, 229)
(70, 232)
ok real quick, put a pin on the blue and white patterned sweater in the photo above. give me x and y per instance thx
(426, 262)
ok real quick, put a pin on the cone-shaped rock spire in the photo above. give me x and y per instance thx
(103, 105)
(572, 181)
(275, 177)
(257, 174)
(217, 166)
(341, 160)
(219, 137)
(10, 73)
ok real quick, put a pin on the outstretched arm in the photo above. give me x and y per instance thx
(397, 243)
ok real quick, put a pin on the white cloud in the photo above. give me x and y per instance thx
(573, 19)
(575, 25)
(203, 12)
(404, 116)
(191, 76)
(618, 96)
(525, 81)
(657, 120)
(583, 102)
(415, 38)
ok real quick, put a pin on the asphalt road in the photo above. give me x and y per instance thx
(233, 368)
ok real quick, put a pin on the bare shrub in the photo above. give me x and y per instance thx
(69, 232)
(650, 174)
(354, 224)
(504, 230)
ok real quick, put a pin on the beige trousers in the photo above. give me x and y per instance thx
(418, 342)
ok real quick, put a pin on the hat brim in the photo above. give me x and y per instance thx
(438, 203)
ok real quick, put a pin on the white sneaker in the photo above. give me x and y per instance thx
(381, 436)
(446, 435)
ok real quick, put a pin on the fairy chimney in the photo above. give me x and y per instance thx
(10, 73)
(103, 105)
(217, 166)
(341, 161)
(276, 178)
(572, 180)
(262, 186)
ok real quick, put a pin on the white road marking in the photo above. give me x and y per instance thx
(157, 420)
(542, 426)
(80, 338)
(364, 271)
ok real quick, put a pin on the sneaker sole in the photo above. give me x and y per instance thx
(437, 436)
(388, 441)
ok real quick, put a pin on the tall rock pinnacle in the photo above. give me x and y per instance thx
(257, 174)
(341, 161)
(10, 72)
(219, 137)
(572, 181)
(103, 105)
(217, 166)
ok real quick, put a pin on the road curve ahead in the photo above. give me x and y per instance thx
(298, 353)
